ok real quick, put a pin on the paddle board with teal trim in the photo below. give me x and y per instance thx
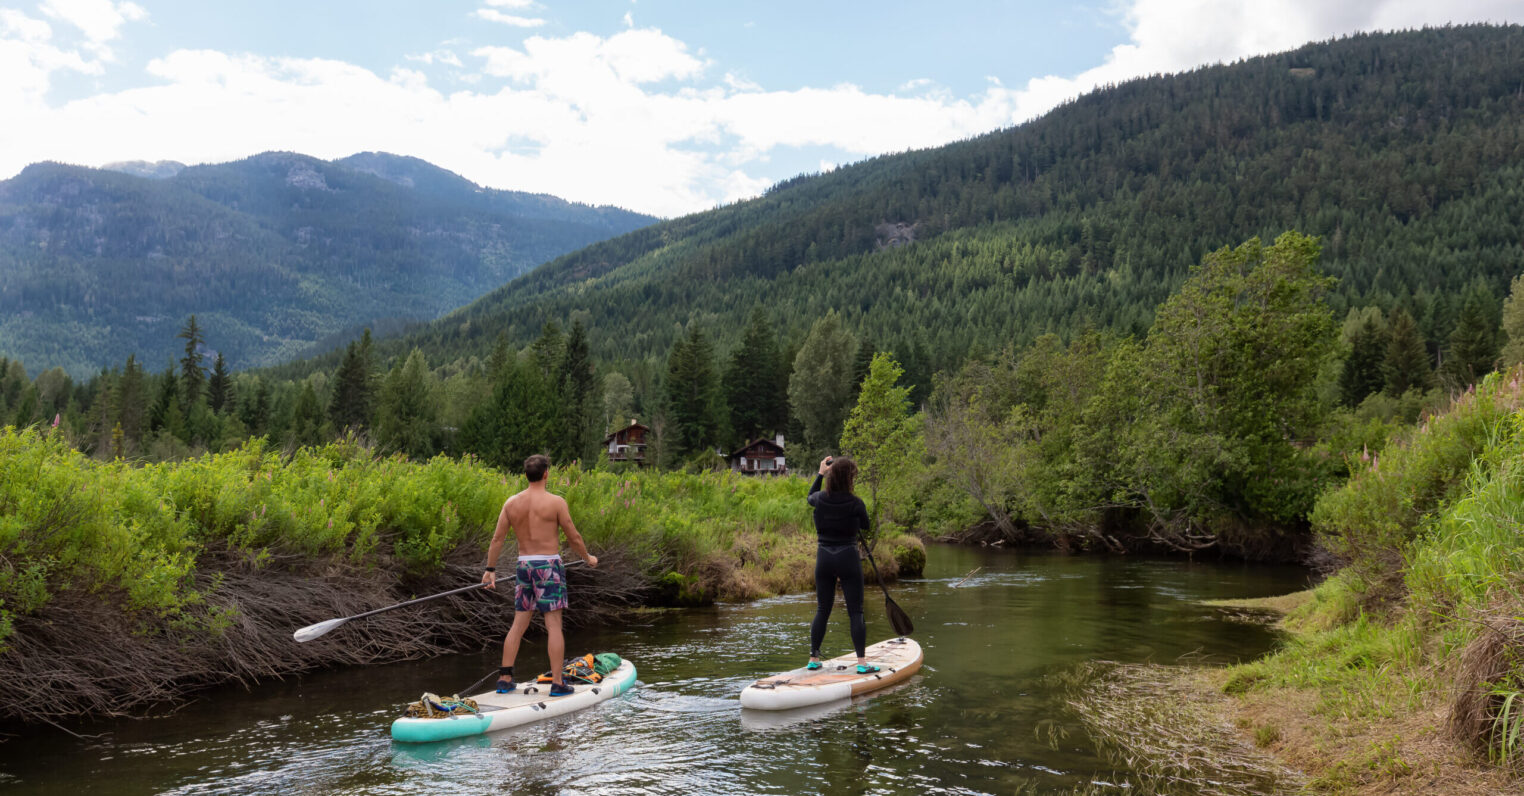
(836, 679)
(530, 703)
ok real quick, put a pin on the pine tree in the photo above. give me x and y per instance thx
(132, 402)
(500, 359)
(863, 363)
(406, 419)
(1473, 344)
(219, 389)
(754, 381)
(693, 403)
(306, 419)
(192, 374)
(1362, 374)
(165, 415)
(547, 350)
(1513, 324)
(1407, 361)
(520, 420)
(350, 407)
(579, 407)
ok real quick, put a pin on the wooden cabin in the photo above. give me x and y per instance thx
(628, 444)
(761, 457)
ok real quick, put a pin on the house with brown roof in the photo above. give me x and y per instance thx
(628, 444)
(761, 457)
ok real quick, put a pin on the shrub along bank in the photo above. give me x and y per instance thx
(1406, 670)
(122, 586)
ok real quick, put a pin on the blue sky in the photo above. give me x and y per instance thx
(663, 106)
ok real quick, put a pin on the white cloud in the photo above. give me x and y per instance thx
(99, 20)
(445, 57)
(494, 15)
(637, 118)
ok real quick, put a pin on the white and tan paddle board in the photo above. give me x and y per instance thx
(837, 678)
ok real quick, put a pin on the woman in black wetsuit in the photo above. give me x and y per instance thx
(839, 515)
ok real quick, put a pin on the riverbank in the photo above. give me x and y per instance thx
(195, 573)
(1352, 712)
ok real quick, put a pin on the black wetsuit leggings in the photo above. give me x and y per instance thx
(832, 564)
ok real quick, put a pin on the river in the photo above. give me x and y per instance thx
(984, 715)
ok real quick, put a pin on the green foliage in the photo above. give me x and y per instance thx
(1407, 363)
(350, 406)
(820, 388)
(1395, 495)
(406, 420)
(881, 435)
(1473, 345)
(520, 420)
(1513, 324)
(756, 385)
(1362, 374)
(694, 405)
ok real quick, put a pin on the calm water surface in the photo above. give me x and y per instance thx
(951, 730)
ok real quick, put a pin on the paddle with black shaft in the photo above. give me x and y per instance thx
(898, 619)
(311, 632)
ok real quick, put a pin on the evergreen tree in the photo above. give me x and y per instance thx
(693, 402)
(1362, 374)
(579, 400)
(306, 419)
(547, 350)
(350, 406)
(618, 401)
(820, 389)
(520, 420)
(1473, 344)
(165, 416)
(406, 420)
(192, 374)
(754, 381)
(863, 363)
(1407, 361)
(219, 389)
(132, 403)
(1513, 324)
(500, 359)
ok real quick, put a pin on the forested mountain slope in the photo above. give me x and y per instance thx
(272, 253)
(1403, 151)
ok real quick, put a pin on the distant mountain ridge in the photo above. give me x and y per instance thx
(272, 253)
(1403, 151)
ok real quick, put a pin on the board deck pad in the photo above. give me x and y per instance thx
(529, 703)
(837, 678)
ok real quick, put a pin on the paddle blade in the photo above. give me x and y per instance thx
(311, 632)
(898, 619)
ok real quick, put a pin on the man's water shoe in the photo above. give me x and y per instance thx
(561, 689)
(505, 686)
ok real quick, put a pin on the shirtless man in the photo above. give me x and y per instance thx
(536, 517)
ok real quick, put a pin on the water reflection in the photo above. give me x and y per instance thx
(982, 716)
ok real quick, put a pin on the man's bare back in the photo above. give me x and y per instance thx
(536, 517)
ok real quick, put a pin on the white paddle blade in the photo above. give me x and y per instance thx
(311, 632)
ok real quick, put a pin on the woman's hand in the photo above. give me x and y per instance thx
(825, 464)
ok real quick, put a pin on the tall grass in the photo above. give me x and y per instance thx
(67, 521)
(1431, 602)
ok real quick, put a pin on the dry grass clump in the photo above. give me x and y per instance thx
(1168, 734)
(1487, 710)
